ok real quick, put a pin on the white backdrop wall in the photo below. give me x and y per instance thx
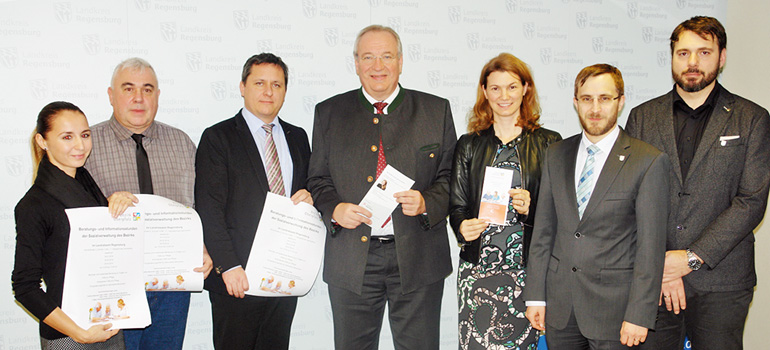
(66, 50)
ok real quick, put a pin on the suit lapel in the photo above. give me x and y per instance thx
(251, 150)
(570, 158)
(615, 161)
(666, 130)
(716, 123)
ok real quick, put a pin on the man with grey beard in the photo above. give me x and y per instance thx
(720, 155)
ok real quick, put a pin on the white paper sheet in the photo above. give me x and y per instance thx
(173, 245)
(103, 269)
(288, 249)
(379, 199)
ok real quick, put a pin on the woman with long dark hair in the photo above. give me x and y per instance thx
(503, 132)
(60, 145)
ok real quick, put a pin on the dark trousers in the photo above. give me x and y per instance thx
(712, 320)
(570, 338)
(251, 323)
(414, 316)
(169, 320)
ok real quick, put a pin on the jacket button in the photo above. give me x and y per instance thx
(369, 179)
(574, 269)
(374, 148)
(376, 120)
(577, 234)
(431, 155)
(364, 239)
(679, 227)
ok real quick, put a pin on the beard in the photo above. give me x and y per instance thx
(600, 129)
(689, 85)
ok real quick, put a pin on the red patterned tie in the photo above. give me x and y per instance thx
(381, 163)
(274, 177)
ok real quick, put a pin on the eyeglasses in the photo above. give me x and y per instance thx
(603, 100)
(370, 59)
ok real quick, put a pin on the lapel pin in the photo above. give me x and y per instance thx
(726, 109)
(621, 157)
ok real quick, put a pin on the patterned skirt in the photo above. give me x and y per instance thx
(491, 311)
(67, 343)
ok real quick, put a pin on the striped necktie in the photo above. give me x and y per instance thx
(584, 188)
(274, 177)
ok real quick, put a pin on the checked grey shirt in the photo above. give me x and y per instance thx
(171, 153)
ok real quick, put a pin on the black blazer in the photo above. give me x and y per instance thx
(42, 238)
(230, 190)
(418, 136)
(473, 153)
(715, 209)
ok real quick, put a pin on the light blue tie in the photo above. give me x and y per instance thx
(586, 179)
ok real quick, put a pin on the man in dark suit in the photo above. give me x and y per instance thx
(718, 144)
(404, 262)
(597, 249)
(239, 160)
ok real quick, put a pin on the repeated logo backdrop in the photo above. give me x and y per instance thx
(66, 50)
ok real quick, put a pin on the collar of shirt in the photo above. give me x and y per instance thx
(388, 100)
(255, 125)
(605, 145)
(710, 102)
(122, 133)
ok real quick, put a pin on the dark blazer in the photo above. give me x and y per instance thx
(607, 266)
(715, 209)
(230, 190)
(418, 135)
(42, 238)
(473, 153)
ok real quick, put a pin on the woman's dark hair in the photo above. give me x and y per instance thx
(44, 121)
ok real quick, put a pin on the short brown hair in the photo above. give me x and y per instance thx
(706, 27)
(481, 118)
(599, 69)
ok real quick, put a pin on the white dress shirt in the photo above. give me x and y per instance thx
(281, 146)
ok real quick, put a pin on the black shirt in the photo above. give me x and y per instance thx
(689, 125)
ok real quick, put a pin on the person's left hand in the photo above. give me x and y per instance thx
(412, 203)
(302, 196)
(632, 335)
(675, 266)
(120, 201)
(520, 199)
(207, 264)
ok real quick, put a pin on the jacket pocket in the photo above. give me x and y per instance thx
(553, 264)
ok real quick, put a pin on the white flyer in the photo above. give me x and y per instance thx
(173, 245)
(103, 276)
(494, 198)
(288, 249)
(379, 199)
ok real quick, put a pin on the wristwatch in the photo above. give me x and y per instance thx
(692, 261)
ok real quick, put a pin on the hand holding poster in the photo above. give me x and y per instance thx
(288, 249)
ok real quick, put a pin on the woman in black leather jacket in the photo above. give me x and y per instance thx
(503, 132)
